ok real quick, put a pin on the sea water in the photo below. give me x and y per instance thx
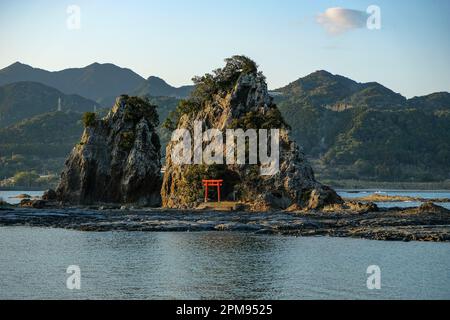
(215, 265)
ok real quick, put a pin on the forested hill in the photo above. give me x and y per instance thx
(22, 100)
(367, 131)
(349, 130)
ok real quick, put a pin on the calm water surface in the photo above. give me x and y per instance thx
(215, 265)
(9, 196)
(403, 193)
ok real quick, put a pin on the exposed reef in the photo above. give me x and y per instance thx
(426, 223)
(387, 198)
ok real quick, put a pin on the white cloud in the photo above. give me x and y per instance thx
(340, 20)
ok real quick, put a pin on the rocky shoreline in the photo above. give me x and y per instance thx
(387, 198)
(118, 160)
(427, 223)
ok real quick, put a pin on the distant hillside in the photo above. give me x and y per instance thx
(434, 101)
(40, 143)
(165, 106)
(23, 100)
(366, 131)
(323, 89)
(95, 81)
(49, 128)
(99, 82)
(155, 87)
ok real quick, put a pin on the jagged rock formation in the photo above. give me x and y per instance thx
(237, 97)
(118, 158)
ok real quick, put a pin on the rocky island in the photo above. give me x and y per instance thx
(112, 179)
(236, 97)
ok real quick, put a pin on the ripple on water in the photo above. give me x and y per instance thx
(215, 265)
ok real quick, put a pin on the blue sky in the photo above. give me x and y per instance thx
(177, 39)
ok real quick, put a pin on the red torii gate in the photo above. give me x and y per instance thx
(212, 183)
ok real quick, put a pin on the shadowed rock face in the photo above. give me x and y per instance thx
(117, 160)
(240, 100)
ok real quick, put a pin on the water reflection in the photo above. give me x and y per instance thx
(215, 265)
(219, 265)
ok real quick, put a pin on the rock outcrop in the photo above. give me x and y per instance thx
(236, 97)
(393, 224)
(35, 204)
(431, 208)
(49, 195)
(118, 158)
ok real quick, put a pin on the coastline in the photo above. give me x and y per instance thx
(388, 198)
(368, 185)
(427, 223)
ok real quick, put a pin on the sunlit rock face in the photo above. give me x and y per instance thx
(236, 97)
(118, 159)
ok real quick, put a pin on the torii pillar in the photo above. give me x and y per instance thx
(212, 183)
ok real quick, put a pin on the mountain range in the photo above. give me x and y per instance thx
(366, 131)
(99, 82)
(349, 130)
(335, 92)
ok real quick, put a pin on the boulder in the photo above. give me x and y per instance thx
(321, 197)
(35, 204)
(431, 208)
(49, 195)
